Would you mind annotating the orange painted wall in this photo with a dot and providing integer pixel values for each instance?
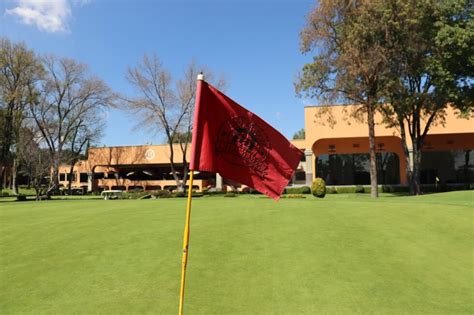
(341, 133)
(131, 155)
(332, 129)
(344, 126)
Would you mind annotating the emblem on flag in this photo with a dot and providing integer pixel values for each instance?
(241, 142)
(234, 142)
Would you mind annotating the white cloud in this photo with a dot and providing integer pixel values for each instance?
(47, 15)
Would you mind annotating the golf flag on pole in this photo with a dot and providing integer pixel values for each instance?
(234, 142)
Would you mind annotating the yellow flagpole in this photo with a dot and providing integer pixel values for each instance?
(184, 260)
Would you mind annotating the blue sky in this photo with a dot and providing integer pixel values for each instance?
(254, 44)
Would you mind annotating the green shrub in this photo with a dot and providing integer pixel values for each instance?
(298, 190)
(161, 194)
(4, 194)
(395, 188)
(20, 198)
(230, 195)
(179, 194)
(318, 188)
(359, 189)
(214, 193)
(333, 190)
(135, 194)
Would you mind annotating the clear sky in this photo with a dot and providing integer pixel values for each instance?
(254, 44)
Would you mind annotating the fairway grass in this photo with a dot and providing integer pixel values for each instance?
(248, 255)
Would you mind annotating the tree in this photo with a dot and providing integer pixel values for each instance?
(350, 62)
(89, 128)
(35, 159)
(431, 57)
(19, 72)
(68, 109)
(167, 108)
(300, 134)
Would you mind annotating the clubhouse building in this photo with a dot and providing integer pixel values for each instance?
(336, 148)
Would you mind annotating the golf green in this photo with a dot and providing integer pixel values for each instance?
(248, 255)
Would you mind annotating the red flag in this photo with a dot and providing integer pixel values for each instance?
(239, 145)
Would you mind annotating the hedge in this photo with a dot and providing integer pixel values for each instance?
(366, 189)
(306, 190)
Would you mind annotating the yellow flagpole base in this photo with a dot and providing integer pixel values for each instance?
(184, 260)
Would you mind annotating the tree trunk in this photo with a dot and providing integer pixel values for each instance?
(37, 192)
(185, 175)
(179, 183)
(416, 169)
(7, 139)
(2, 177)
(373, 161)
(69, 183)
(417, 140)
(184, 149)
(54, 180)
(15, 176)
(406, 153)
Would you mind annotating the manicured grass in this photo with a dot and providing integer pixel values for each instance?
(248, 255)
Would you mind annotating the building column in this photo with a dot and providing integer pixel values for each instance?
(309, 167)
(218, 182)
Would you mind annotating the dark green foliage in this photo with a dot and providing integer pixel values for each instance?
(179, 194)
(146, 196)
(366, 189)
(318, 189)
(298, 190)
(161, 194)
(359, 189)
(135, 194)
(431, 188)
(212, 193)
(230, 195)
(20, 198)
(394, 188)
